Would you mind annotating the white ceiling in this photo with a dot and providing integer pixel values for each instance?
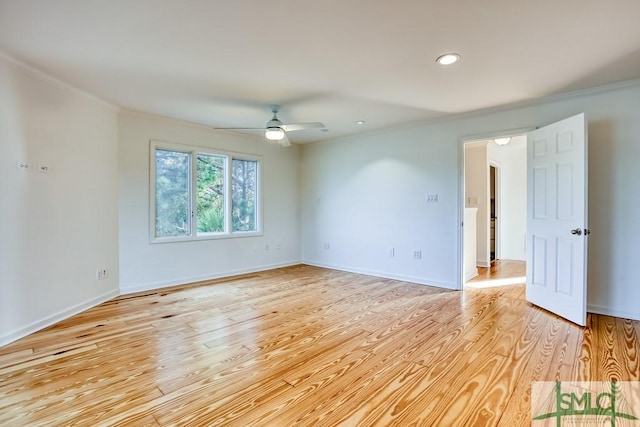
(221, 63)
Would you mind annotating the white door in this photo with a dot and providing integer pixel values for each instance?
(557, 218)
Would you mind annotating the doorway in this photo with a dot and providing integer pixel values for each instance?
(555, 220)
(493, 213)
(494, 191)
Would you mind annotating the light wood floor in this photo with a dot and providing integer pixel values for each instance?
(502, 269)
(306, 346)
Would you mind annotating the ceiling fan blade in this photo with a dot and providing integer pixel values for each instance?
(284, 141)
(302, 126)
(239, 128)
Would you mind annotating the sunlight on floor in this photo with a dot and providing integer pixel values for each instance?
(491, 283)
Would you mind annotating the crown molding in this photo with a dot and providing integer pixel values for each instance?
(17, 63)
(450, 117)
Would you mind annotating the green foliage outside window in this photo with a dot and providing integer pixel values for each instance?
(172, 193)
(244, 181)
(210, 193)
(178, 196)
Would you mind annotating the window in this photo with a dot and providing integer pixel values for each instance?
(243, 209)
(172, 193)
(198, 193)
(210, 194)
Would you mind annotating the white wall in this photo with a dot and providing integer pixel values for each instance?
(512, 198)
(470, 269)
(57, 228)
(146, 266)
(366, 193)
(476, 195)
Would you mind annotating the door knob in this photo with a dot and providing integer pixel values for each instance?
(577, 231)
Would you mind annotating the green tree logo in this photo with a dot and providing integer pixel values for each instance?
(587, 404)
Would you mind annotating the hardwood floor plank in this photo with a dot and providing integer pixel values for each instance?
(17, 356)
(317, 388)
(437, 369)
(251, 365)
(615, 347)
(471, 376)
(242, 401)
(582, 369)
(627, 349)
(308, 346)
(44, 359)
(545, 364)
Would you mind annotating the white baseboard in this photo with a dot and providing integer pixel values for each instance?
(470, 275)
(483, 263)
(65, 314)
(606, 311)
(186, 280)
(55, 318)
(385, 275)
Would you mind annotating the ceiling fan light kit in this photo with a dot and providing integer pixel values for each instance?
(274, 134)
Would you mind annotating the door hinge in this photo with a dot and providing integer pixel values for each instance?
(587, 231)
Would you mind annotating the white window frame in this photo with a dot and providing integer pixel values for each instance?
(194, 151)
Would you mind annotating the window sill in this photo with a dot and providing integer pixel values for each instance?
(212, 236)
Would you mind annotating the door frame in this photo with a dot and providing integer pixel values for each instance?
(461, 202)
(497, 166)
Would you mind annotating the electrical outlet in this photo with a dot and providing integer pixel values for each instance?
(432, 198)
(392, 252)
(417, 254)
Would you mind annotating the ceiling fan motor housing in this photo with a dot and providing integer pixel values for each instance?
(274, 123)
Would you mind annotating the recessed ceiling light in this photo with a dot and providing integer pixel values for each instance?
(360, 122)
(448, 59)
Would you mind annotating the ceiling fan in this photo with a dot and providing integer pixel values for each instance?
(275, 130)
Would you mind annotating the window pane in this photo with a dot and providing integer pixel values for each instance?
(172, 193)
(210, 197)
(244, 186)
